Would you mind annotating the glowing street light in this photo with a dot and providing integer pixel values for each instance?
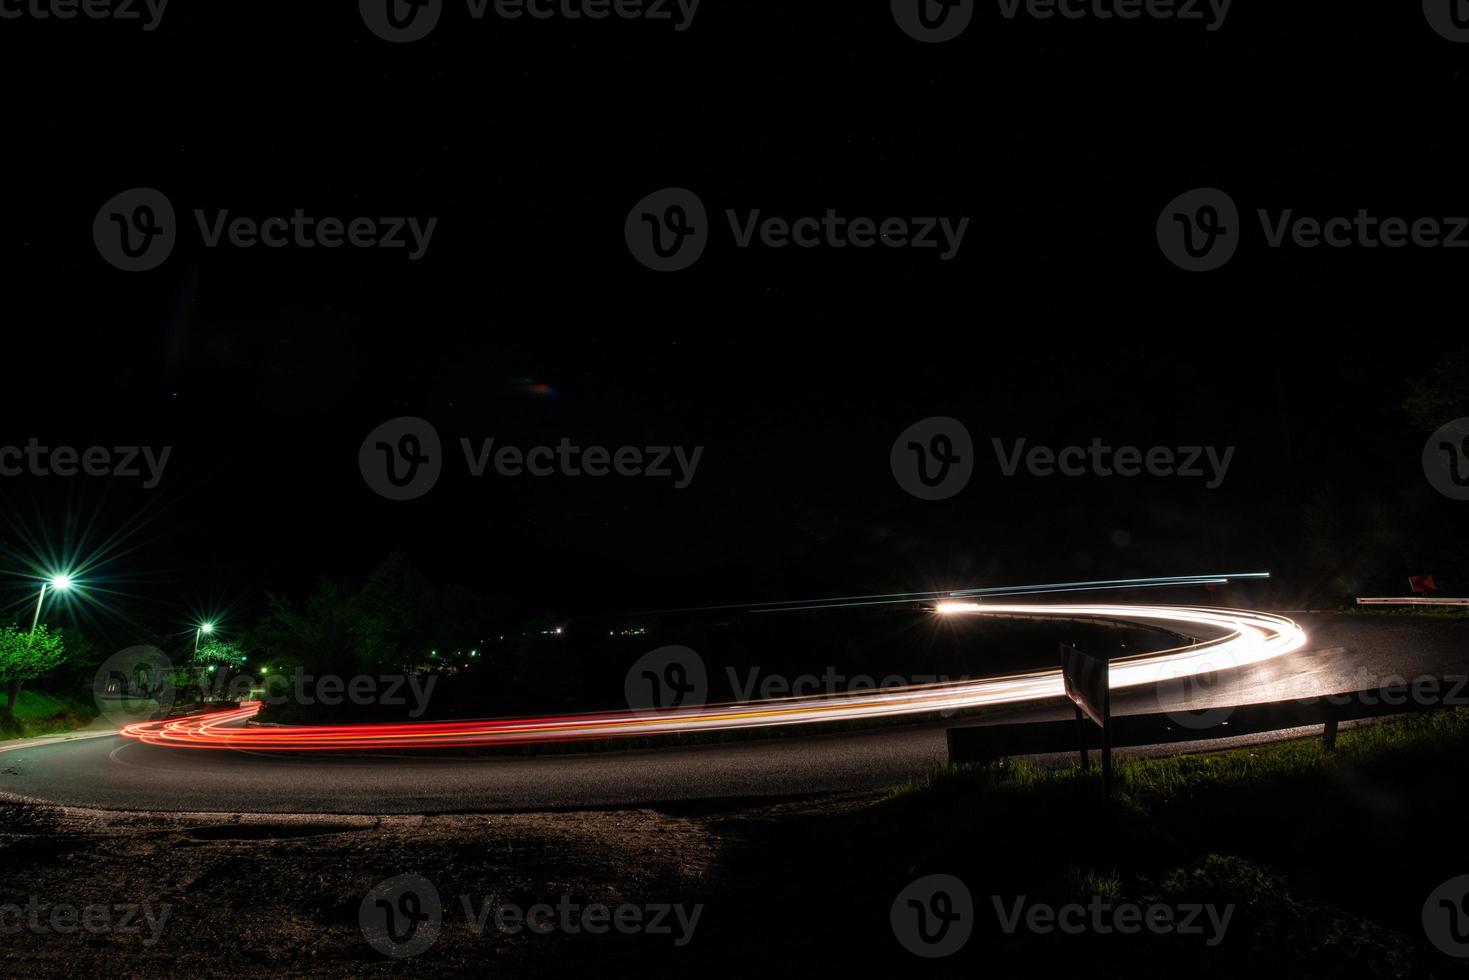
(200, 630)
(61, 583)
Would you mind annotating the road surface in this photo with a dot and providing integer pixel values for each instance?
(113, 772)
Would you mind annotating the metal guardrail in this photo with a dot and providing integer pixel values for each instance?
(1413, 602)
(989, 743)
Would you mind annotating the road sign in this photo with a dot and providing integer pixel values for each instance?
(1422, 584)
(1086, 682)
(1088, 685)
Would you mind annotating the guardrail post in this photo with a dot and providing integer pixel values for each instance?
(1328, 735)
(1086, 762)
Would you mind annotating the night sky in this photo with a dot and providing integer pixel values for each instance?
(528, 320)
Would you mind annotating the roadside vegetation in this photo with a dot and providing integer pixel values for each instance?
(1326, 856)
(1417, 612)
(43, 713)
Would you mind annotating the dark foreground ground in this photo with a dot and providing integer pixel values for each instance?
(1326, 860)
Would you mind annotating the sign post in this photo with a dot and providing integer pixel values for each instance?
(1089, 688)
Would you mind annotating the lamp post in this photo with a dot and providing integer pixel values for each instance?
(200, 630)
(61, 583)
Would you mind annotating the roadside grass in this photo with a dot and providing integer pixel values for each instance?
(1416, 612)
(1328, 855)
(43, 713)
(1322, 859)
(1398, 739)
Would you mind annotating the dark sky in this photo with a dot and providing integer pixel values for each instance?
(528, 320)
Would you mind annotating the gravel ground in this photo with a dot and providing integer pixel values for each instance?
(281, 895)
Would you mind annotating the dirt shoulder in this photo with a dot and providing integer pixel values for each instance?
(206, 894)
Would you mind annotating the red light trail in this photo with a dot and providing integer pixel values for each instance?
(1243, 638)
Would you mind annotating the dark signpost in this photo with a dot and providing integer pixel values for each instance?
(1088, 687)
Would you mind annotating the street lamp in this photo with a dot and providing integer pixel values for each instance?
(198, 632)
(61, 583)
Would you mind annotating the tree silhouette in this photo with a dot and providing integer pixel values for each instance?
(26, 656)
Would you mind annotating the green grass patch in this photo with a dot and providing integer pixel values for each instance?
(44, 713)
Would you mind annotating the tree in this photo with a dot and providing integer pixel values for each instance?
(26, 656)
(221, 659)
(1443, 395)
(322, 635)
(393, 622)
(220, 653)
(396, 614)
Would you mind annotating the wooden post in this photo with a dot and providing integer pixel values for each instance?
(1328, 736)
(1086, 762)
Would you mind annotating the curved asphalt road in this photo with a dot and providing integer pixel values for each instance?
(111, 772)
